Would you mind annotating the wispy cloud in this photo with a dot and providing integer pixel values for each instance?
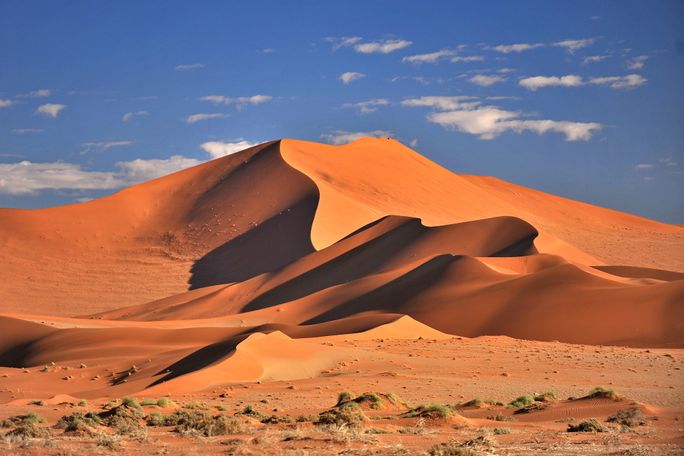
(368, 47)
(218, 149)
(343, 137)
(488, 122)
(129, 115)
(40, 93)
(194, 118)
(432, 57)
(50, 109)
(23, 131)
(573, 46)
(467, 58)
(538, 82)
(642, 166)
(101, 146)
(6, 103)
(594, 59)
(518, 47)
(630, 81)
(485, 80)
(369, 106)
(350, 76)
(189, 66)
(238, 101)
(637, 63)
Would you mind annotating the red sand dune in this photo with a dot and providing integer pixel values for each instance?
(233, 269)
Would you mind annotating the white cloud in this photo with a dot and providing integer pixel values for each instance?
(574, 45)
(141, 170)
(620, 82)
(642, 166)
(486, 80)
(101, 146)
(50, 109)
(350, 76)
(369, 47)
(432, 57)
(194, 118)
(519, 47)
(637, 63)
(129, 115)
(189, 66)
(594, 59)
(22, 131)
(442, 103)
(238, 101)
(381, 47)
(25, 178)
(538, 82)
(667, 162)
(218, 149)
(266, 51)
(40, 93)
(343, 137)
(366, 107)
(5, 103)
(420, 79)
(488, 122)
(467, 58)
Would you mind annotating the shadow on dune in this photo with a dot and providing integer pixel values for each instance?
(265, 248)
(199, 359)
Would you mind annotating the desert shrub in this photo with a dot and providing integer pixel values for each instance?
(275, 419)
(501, 430)
(522, 401)
(126, 419)
(346, 415)
(451, 448)
(79, 423)
(548, 396)
(430, 411)
(130, 402)
(37, 402)
(165, 402)
(203, 423)
(82, 403)
(254, 413)
(374, 399)
(307, 418)
(376, 431)
(147, 402)
(590, 425)
(29, 430)
(6, 423)
(600, 392)
(500, 417)
(534, 407)
(396, 400)
(109, 441)
(345, 396)
(631, 417)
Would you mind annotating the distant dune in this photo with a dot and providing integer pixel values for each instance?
(232, 268)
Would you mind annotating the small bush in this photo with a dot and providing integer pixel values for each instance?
(548, 396)
(602, 393)
(130, 402)
(29, 430)
(477, 402)
(342, 416)
(374, 399)
(307, 418)
(254, 413)
(535, 407)
(590, 425)
(396, 400)
(500, 417)
(631, 417)
(522, 401)
(203, 423)
(38, 402)
(501, 430)
(345, 396)
(430, 411)
(109, 441)
(82, 403)
(165, 402)
(148, 402)
(451, 448)
(78, 423)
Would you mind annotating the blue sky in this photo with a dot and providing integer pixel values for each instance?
(585, 101)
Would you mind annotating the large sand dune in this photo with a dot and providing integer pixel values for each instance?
(235, 269)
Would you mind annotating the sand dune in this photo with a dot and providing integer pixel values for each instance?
(240, 269)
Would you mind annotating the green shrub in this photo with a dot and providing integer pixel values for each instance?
(590, 425)
(30, 430)
(130, 402)
(352, 417)
(165, 402)
(522, 401)
(78, 423)
(600, 392)
(548, 396)
(430, 411)
(345, 396)
(477, 402)
(147, 402)
(374, 399)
